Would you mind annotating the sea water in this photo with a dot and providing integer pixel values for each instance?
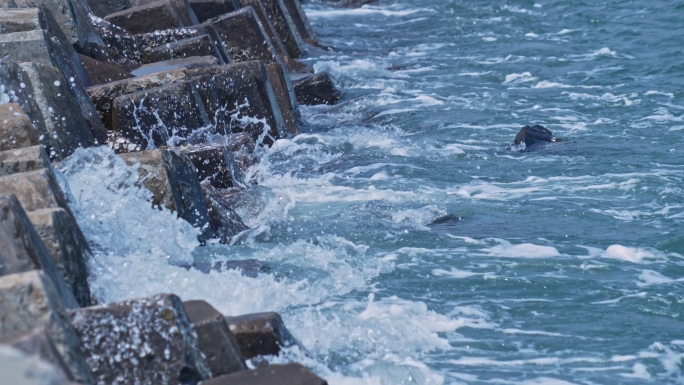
(409, 241)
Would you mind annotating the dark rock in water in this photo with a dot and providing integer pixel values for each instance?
(192, 62)
(316, 89)
(16, 130)
(224, 222)
(102, 8)
(23, 250)
(214, 163)
(29, 301)
(195, 46)
(272, 33)
(242, 145)
(141, 341)
(67, 246)
(248, 267)
(534, 135)
(173, 181)
(289, 374)
(43, 94)
(284, 25)
(207, 9)
(159, 116)
(285, 96)
(23, 159)
(153, 16)
(239, 97)
(260, 334)
(101, 72)
(301, 22)
(37, 342)
(215, 338)
(243, 36)
(103, 95)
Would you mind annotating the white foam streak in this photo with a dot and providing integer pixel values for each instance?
(525, 250)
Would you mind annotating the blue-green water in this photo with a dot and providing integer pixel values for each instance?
(412, 244)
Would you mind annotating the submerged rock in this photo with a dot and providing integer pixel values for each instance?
(534, 135)
(215, 338)
(260, 334)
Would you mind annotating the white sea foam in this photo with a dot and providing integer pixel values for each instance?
(524, 250)
(520, 78)
(650, 278)
(633, 254)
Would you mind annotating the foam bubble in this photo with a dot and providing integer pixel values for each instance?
(524, 250)
(632, 254)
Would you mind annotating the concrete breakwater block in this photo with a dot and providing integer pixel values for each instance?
(44, 95)
(103, 95)
(215, 338)
(67, 246)
(283, 89)
(173, 181)
(16, 130)
(242, 146)
(239, 97)
(30, 301)
(141, 341)
(272, 34)
(35, 190)
(260, 334)
(102, 8)
(37, 343)
(103, 72)
(316, 89)
(181, 7)
(301, 21)
(160, 116)
(243, 36)
(290, 374)
(224, 222)
(207, 9)
(19, 368)
(23, 249)
(23, 159)
(146, 18)
(71, 17)
(284, 25)
(201, 45)
(192, 62)
(214, 163)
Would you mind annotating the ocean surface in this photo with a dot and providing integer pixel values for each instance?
(410, 242)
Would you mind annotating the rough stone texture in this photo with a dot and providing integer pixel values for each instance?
(182, 8)
(28, 301)
(290, 374)
(316, 89)
(44, 95)
(239, 97)
(67, 246)
(141, 341)
(23, 250)
(102, 8)
(37, 343)
(35, 190)
(301, 22)
(103, 95)
(72, 19)
(243, 36)
(273, 35)
(260, 334)
(19, 20)
(23, 159)
(194, 46)
(192, 62)
(207, 9)
(101, 72)
(215, 339)
(248, 267)
(242, 145)
(173, 181)
(285, 26)
(159, 116)
(224, 222)
(214, 163)
(534, 136)
(16, 129)
(150, 17)
(18, 368)
(285, 96)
